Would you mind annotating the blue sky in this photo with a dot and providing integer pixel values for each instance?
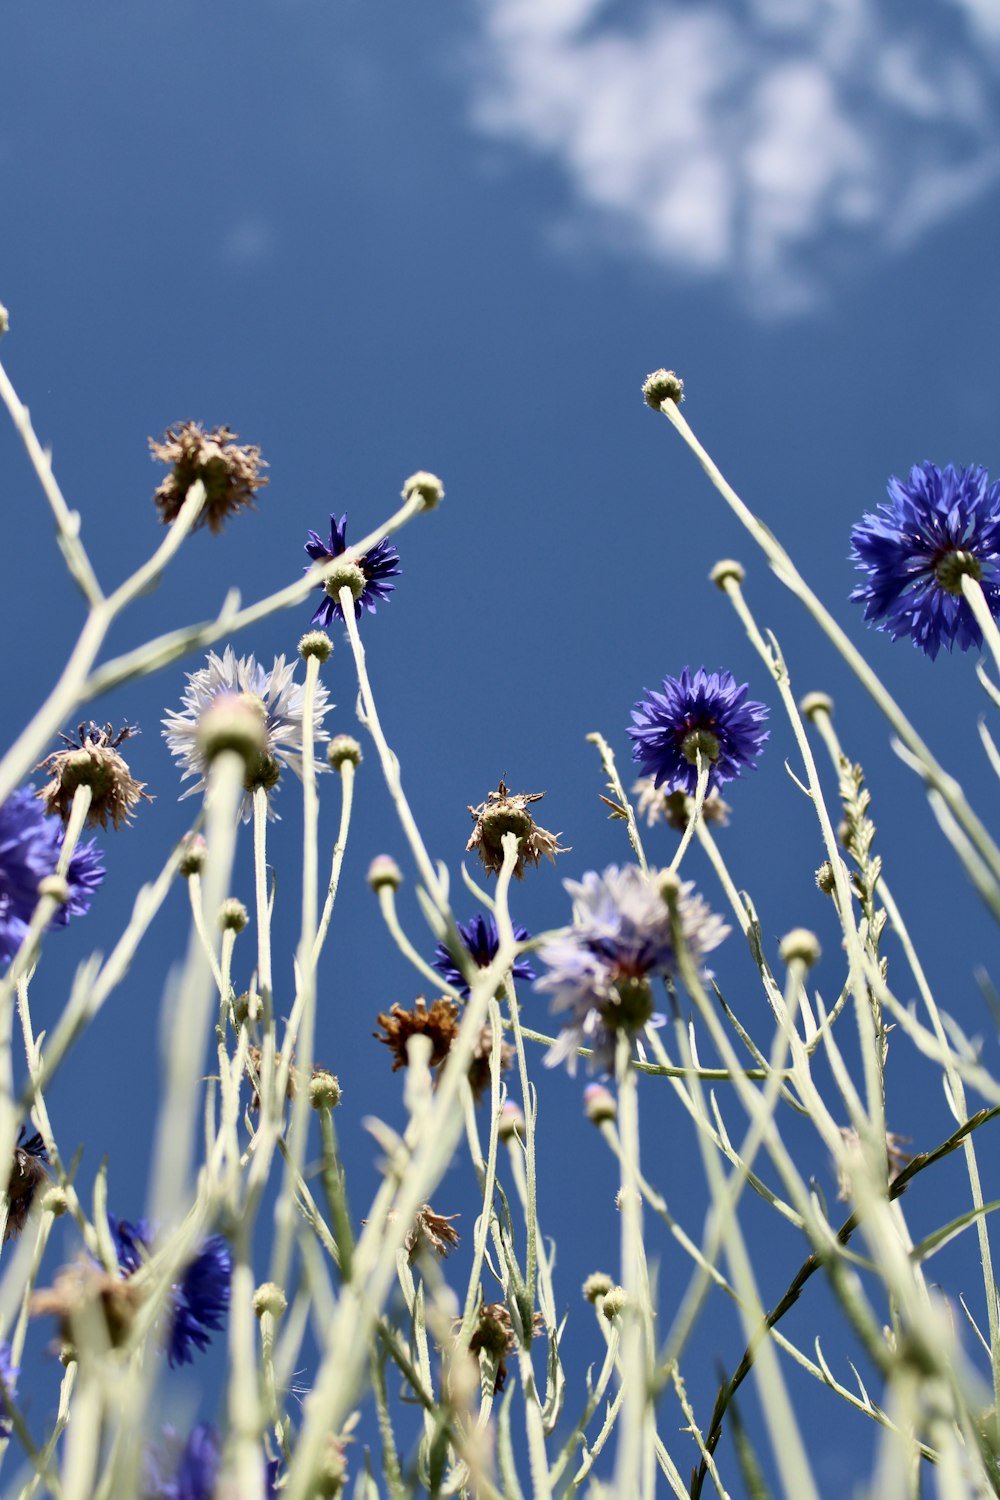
(457, 237)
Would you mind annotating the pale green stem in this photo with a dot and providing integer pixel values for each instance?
(347, 799)
(972, 591)
(164, 649)
(787, 573)
(694, 819)
(191, 1000)
(301, 1030)
(872, 1129)
(389, 762)
(67, 521)
(246, 1465)
(73, 688)
(488, 1179)
(198, 917)
(637, 1352)
(335, 1386)
(611, 771)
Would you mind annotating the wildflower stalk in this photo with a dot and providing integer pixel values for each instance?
(487, 1175)
(67, 521)
(198, 918)
(301, 1029)
(374, 1262)
(869, 1027)
(631, 1460)
(530, 1117)
(615, 783)
(694, 818)
(389, 762)
(192, 999)
(972, 591)
(931, 772)
(339, 848)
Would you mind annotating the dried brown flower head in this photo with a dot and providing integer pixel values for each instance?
(439, 1024)
(83, 1292)
(507, 812)
(480, 1077)
(431, 1231)
(229, 471)
(254, 1056)
(897, 1157)
(92, 759)
(28, 1172)
(494, 1334)
(675, 807)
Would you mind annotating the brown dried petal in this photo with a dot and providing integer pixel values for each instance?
(92, 760)
(507, 812)
(229, 471)
(439, 1024)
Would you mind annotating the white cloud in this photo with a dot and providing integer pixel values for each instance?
(762, 141)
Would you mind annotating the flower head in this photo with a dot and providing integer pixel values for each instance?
(8, 1386)
(701, 712)
(439, 1024)
(675, 808)
(191, 1472)
(378, 565)
(600, 968)
(230, 472)
(431, 1232)
(199, 1298)
(273, 694)
(481, 940)
(92, 760)
(507, 812)
(939, 525)
(30, 844)
(28, 1172)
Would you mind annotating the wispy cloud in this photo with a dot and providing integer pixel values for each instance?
(767, 142)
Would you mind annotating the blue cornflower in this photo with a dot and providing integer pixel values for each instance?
(703, 711)
(914, 551)
(378, 564)
(193, 1472)
(482, 940)
(30, 844)
(200, 1297)
(600, 968)
(8, 1386)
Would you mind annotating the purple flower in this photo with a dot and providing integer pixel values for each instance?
(703, 711)
(482, 940)
(600, 968)
(30, 844)
(379, 564)
(913, 552)
(192, 1473)
(200, 1297)
(8, 1385)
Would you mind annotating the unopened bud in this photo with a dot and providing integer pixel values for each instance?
(237, 722)
(343, 748)
(269, 1298)
(324, 1090)
(345, 575)
(599, 1104)
(384, 870)
(814, 704)
(662, 385)
(193, 856)
(427, 486)
(802, 945)
(315, 643)
(511, 1122)
(725, 569)
(597, 1284)
(615, 1302)
(233, 916)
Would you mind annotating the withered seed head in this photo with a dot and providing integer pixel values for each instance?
(28, 1172)
(494, 1333)
(675, 807)
(431, 1231)
(507, 812)
(480, 1076)
(439, 1024)
(229, 471)
(82, 1292)
(92, 759)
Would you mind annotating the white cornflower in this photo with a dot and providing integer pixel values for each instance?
(274, 692)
